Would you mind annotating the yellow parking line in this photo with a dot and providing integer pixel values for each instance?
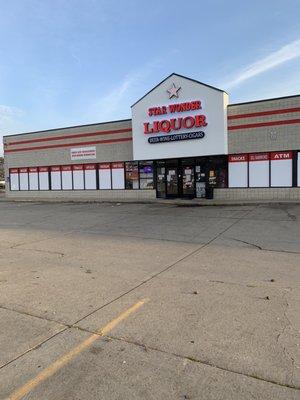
(65, 359)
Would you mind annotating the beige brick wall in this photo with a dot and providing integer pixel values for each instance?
(258, 194)
(78, 195)
(267, 138)
(119, 151)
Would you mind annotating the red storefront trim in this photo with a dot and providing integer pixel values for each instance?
(263, 113)
(53, 146)
(65, 137)
(261, 124)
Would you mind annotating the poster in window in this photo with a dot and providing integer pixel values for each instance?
(33, 178)
(238, 170)
(44, 178)
(90, 176)
(104, 176)
(55, 178)
(78, 177)
(14, 179)
(66, 177)
(282, 169)
(259, 170)
(117, 170)
(23, 176)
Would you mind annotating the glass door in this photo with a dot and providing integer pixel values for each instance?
(200, 180)
(172, 178)
(160, 179)
(187, 179)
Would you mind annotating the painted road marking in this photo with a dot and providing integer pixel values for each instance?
(65, 359)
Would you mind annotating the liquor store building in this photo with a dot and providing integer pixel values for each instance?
(184, 140)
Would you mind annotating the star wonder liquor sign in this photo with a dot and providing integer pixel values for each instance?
(167, 127)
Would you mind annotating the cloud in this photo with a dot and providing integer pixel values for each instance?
(278, 57)
(9, 121)
(116, 103)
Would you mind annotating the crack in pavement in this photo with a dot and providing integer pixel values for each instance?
(261, 248)
(203, 362)
(280, 334)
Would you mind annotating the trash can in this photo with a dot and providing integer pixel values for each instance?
(209, 193)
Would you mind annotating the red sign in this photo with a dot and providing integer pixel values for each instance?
(259, 157)
(23, 170)
(117, 165)
(282, 155)
(238, 158)
(43, 169)
(174, 108)
(89, 166)
(33, 169)
(66, 168)
(55, 168)
(77, 167)
(13, 170)
(104, 166)
(174, 124)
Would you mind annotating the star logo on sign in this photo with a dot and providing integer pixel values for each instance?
(173, 91)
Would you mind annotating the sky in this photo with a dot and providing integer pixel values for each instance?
(73, 62)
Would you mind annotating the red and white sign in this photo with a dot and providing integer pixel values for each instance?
(259, 170)
(44, 178)
(23, 176)
(14, 179)
(179, 109)
(117, 174)
(282, 155)
(66, 177)
(90, 176)
(33, 178)
(259, 157)
(238, 170)
(104, 176)
(238, 158)
(78, 177)
(282, 169)
(55, 177)
(83, 153)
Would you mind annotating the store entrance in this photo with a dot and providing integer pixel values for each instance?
(172, 179)
(175, 179)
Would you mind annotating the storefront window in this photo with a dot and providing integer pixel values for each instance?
(217, 172)
(146, 174)
(132, 175)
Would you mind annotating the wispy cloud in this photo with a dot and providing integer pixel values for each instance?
(116, 103)
(278, 57)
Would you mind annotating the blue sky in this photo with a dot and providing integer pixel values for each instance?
(71, 62)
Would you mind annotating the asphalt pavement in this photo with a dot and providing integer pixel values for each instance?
(149, 301)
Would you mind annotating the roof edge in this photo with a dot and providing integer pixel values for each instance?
(262, 100)
(66, 127)
(180, 76)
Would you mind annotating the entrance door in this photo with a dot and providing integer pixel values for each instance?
(172, 179)
(187, 181)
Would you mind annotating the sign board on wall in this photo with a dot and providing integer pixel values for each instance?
(14, 178)
(238, 170)
(90, 176)
(55, 177)
(44, 178)
(33, 178)
(23, 176)
(180, 118)
(259, 170)
(83, 153)
(282, 169)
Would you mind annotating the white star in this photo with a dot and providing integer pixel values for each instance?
(173, 91)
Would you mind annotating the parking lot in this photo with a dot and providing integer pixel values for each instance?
(149, 301)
